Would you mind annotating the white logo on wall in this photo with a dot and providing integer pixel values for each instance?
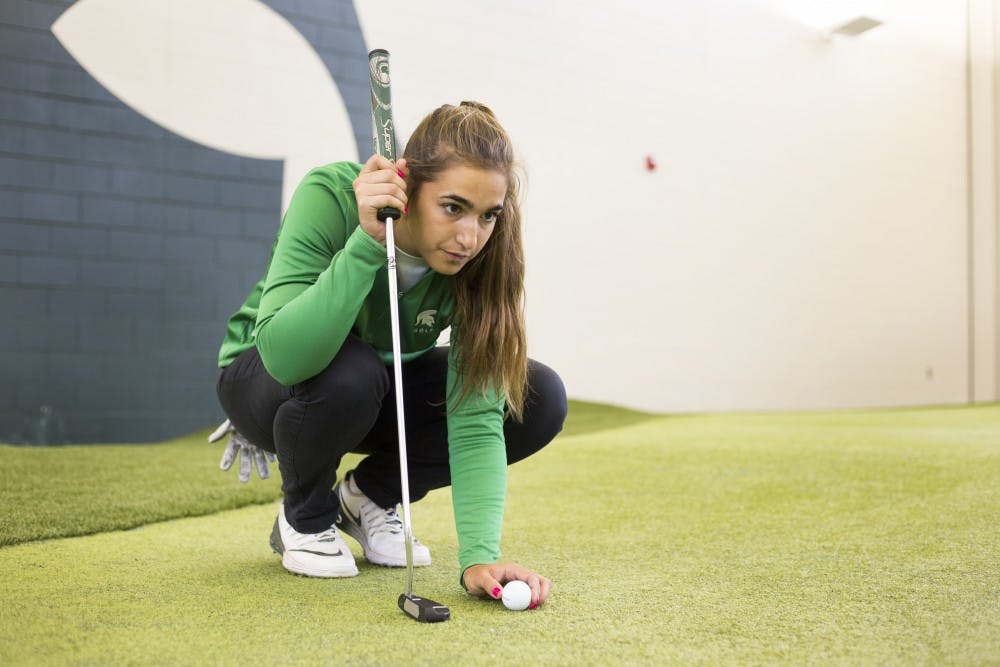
(233, 75)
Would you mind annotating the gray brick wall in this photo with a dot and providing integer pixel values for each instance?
(124, 248)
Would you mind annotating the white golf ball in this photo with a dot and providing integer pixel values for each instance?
(516, 595)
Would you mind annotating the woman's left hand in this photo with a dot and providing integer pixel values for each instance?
(489, 580)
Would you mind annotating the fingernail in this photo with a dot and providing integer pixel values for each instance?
(401, 174)
(406, 210)
(496, 592)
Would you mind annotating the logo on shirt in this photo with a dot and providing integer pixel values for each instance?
(425, 321)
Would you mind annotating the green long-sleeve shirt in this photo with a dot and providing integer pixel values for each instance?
(327, 278)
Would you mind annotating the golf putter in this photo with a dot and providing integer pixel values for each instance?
(384, 134)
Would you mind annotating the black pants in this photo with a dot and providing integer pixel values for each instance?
(350, 407)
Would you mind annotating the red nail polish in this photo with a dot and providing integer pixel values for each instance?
(496, 592)
(532, 605)
(401, 174)
(406, 210)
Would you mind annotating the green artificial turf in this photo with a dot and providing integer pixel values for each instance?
(48, 492)
(846, 538)
(115, 487)
(587, 417)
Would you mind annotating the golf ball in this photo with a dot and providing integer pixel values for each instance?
(516, 595)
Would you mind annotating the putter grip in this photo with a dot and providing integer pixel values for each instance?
(383, 129)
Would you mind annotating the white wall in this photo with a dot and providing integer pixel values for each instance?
(230, 74)
(804, 242)
(993, 81)
(806, 239)
(982, 153)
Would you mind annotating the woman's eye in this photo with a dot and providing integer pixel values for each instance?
(491, 217)
(452, 209)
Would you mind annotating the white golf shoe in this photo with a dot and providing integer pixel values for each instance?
(379, 530)
(312, 554)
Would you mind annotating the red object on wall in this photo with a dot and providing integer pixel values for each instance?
(650, 163)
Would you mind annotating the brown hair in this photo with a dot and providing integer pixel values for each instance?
(489, 290)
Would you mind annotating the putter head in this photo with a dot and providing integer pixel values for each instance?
(422, 609)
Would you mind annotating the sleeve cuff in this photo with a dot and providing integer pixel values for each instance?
(461, 573)
(360, 244)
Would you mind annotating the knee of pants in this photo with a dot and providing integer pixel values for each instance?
(352, 385)
(546, 401)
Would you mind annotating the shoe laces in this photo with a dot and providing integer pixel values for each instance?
(380, 520)
(328, 535)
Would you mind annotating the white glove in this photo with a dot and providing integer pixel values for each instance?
(250, 455)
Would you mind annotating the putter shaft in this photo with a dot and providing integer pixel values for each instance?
(397, 368)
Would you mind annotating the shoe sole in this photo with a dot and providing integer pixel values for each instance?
(293, 566)
(348, 525)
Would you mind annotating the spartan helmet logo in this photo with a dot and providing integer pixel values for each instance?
(425, 319)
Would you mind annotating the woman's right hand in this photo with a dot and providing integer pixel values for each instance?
(489, 580)
(379, 185)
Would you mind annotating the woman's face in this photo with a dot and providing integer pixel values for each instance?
(453, 217)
